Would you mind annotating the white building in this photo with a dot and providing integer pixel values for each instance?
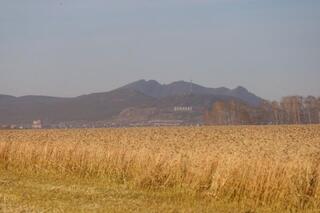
(183, 109)
(37, 124)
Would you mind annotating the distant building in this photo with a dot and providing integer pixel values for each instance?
(13, 126)
(37, 124)
(183, 109)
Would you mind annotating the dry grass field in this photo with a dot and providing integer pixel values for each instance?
(202, 169)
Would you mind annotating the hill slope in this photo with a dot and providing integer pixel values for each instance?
(93, 107)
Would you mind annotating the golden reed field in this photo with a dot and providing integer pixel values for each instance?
(267, 167)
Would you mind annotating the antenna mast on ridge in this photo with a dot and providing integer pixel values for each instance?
(191, 87)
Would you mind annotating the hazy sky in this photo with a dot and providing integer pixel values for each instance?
(73, 47)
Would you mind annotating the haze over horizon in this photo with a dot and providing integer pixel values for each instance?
(68, 48)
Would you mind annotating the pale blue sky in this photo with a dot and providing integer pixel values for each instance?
(72, 47)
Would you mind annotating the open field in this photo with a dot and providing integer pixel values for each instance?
(222, 169)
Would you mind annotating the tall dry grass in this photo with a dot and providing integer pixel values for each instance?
(266, 166)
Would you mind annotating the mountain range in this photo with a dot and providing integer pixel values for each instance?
(138, 101)
(155, 89)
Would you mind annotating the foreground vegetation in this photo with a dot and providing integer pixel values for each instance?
(226, 169)
(50, 193)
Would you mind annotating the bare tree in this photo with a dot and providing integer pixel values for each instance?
(293, 108)
(311, 109)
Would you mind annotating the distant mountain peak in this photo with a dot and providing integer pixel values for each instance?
(155, 89)
(152, 82)
(143, 82)
(240, 89)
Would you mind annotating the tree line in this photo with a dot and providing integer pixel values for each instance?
(289, 110)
